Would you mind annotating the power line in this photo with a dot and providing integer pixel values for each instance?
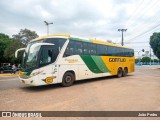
(144, 35)
(135, 42)
(135, 11)
(144, 32)
(155, 20)
(143, 11)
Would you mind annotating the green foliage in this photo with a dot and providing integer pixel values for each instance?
(155, 44)
(4, 41)
(137, 60)
(155, 60)
(9, 52)
(25, 36)
(8, 45)
(146, 60)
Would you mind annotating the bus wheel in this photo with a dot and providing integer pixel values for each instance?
(119, 72)
(68, 79)
(125, 72)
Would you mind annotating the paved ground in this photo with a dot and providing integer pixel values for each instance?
(139, 91)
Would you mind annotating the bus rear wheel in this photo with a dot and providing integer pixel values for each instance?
(119, 72)
(125, 72)
(68, 79)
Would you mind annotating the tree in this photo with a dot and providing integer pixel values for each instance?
(155, 60)
(146, 60)
(9, 52)
(8, 45)
(4, 41)
(155, 44)
(25, 35)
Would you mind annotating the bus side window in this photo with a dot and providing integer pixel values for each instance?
(116, 51)
(85, 49)
(58, 42)
(70, 50)
(128, 53)
(106, 50)
(120, 52)
(67, 53)
(125, 52)
(78, 48)
(93, 48)
(110, 51)
(101, 50)
(61, 43)
(46, 56)
(132, 53)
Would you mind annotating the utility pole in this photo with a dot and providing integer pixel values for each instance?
(139, 58)
(47, 24)
(150, 56)
(122, 30)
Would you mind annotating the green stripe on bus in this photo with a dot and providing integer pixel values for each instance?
(90, 63)
(99, 62)
(28, 73)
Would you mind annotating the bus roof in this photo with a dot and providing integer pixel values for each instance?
(76, 38)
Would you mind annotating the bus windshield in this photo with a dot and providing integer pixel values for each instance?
(30, 56)
(35, 56)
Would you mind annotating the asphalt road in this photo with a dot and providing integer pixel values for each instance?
(139, 91)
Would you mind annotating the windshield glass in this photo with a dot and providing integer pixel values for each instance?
(35, 57)
(30, 56)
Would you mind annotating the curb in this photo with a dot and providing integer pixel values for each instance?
(8, 75)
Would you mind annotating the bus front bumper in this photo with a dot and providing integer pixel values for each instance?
(31, 82)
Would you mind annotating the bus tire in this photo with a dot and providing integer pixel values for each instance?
(68, 79)
(119, 72)
(125, 71)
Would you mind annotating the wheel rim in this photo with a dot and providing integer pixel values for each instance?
(68, 79)
(126, 71)
(119, 73)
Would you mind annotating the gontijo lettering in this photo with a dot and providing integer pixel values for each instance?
(117, 60)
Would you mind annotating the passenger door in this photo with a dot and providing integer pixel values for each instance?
(46, 58)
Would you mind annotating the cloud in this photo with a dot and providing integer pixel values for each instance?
(86, 18)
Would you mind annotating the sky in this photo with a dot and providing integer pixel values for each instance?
(98, 19)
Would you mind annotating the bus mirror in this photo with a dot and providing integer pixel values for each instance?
(16, 53)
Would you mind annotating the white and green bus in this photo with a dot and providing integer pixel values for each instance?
(64, 59)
